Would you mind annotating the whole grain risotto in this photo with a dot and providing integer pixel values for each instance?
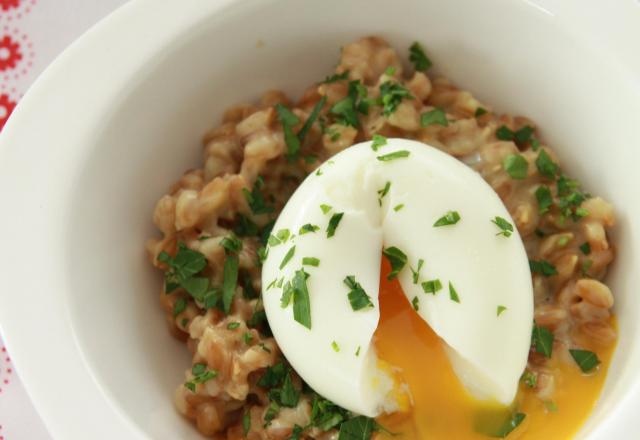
(216, 220)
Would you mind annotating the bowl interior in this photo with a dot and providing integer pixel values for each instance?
(521, 60)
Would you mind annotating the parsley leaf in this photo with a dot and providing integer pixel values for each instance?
(395, 155)
(585, 248)
(289, 120)
(516, 166)
(542, 340)
(325, 414)
(334, 221)
(419, 59)
(255, 199)
(510, 425)
(231, 244)
(453, 294)
(246, 423)
(179, 306)
(546, 166)
(431, 286)
(358, 298)
(233, 325)
(346, 110)
(378, 141)
(245, 227)
(480, 111)
(287, 294)
(296, 432)
(450, 218)
(289, 396)
(304, 229)
(586, 360)
(383, 192)
(398, 207)
(530, 379)
(301, 301)
(544, 198)
(272, 411)
(335, 346)
(230, 281)
(201, 375)
(521, 136)
(273, 376)
(302, 134)
(357, 428)
(397, 259)
(542, 267)
(325, 208)
(415, 302)
(391, 95)
(288, 256)
(435, 116)
(500, 310)
(506, 228)
(336, 77)
(310, 261)
(415, 274)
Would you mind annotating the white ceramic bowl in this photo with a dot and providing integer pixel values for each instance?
(120, 115)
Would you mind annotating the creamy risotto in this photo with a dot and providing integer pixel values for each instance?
(216, 224)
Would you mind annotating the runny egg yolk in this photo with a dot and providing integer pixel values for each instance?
(444, 410)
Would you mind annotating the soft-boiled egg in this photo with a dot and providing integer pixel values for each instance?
(459, 261)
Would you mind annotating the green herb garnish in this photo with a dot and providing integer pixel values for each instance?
(201, 375)
(301, 302)
(358, 298)
(231, 244)
(544, 198)
(383, 192)
(336, 77)
(505, 227)
(179, 306)
(288, 395)
(415, 274)
(302, 134)
(530, 379)
(419, 59)
(233, 325)
(542, 340)
(288, 256)
(255, 199)
(431, 286)
(305, 229)
(334, 221)
(398, 207)
(415, 302)
(520, 136)
(480, 111)
(230, 281)
(335, 346)
(585, 248)
(310, 261)
(546, 166)
(357, 428)
(586, 360)
(516, 166)
(246, 423)
(436, 116)
(397, 259)
(450, 218)
(510, 425)
(325, 208)
(247, 337)
(542, 267)
(288, 120)
(391, 95)
(500, 310)
(453, 294)
(392, 156)
(378, 141)
(390, 71)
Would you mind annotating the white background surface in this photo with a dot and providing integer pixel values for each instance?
(42, 28)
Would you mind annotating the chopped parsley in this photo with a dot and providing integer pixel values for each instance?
(325, 414)
(392, 156)
(563, 241)
(310, 261)
(391, 95)
(415, 274)
(505, 227)
(296, 432)
(480, 111)
(544, 198)
(287, 294)
(516, 166)
(378, 141)
(586, 360)
(334, 221)
(542, 267)
(398, 207)
(255, 199)
(247, 337)
(436, 116)
(301, 302)
(288, 120)
(288, 396)
(551, 406)
(182, 267)
(390, 71)
(570, 197)
(233, 325)
(383, 192)
(546, 166)
(179, 306)
(335, 346)
(288, 256)
(450, 218)
(585, 248)
(397, 259)
(246, 423)
(510, 425)
(419, 59)
(500, 310)
(453, 294)
(530, 379)
(358, 298)
(272, 411)
(347, 109)
(201, 375)
(302, 134)
(304, 229)
(231, 244)
(325, 208)
(415, 302)
(542, 340)
(230, 281)
(245, 227)
(336, 77)
(431, 286)
(520, 136)
(357, 428)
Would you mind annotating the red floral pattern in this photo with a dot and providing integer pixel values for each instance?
(6, 108)
(8, 4)
(10, 53)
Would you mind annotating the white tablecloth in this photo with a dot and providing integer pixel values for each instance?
(32, 34)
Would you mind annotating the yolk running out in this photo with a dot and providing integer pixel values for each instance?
(443, 410)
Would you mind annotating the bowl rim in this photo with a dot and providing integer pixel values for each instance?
(58, 85)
